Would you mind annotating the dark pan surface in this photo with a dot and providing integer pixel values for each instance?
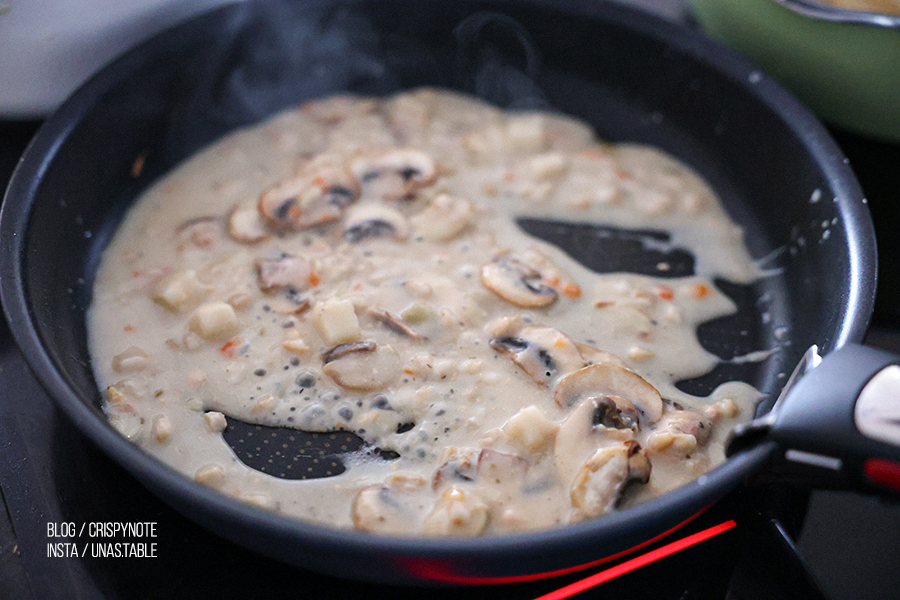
(631, 76)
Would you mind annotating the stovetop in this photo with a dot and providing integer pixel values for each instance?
(50, 475)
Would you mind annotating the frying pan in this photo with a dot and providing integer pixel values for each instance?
(631, 76)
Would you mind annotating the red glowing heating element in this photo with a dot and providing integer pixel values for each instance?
(636, 563)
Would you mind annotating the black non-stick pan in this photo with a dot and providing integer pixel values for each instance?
(633, 77)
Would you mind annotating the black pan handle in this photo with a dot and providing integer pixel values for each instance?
(840, 423)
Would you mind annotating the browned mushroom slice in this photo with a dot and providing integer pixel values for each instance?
(374, 220)
(457, 512)
(362, 365)
(542, 352)
(589, 426)
(458, 466)
(517, 282)
(394, 324)
(615, 412)
(245, 225)
(599, 485)
(320, 194)
(610, 380)
(395, 174)
(285, 272)
(380, 509)
(680, 433)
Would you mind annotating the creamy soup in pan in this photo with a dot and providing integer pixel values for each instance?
(355, 264)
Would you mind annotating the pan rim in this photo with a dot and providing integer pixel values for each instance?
(20, 197)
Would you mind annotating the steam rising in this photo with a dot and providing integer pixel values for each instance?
(279, 54)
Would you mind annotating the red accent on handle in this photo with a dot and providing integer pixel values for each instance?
(883, 472)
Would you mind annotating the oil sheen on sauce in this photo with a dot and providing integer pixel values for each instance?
(354, 264)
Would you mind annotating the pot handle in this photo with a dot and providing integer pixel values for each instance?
(839, 424)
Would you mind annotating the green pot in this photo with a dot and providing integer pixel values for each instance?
(845, 65)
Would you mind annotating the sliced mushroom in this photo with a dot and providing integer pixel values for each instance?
(583, 432)
(599, 485)
(610, 380)
(443, 219)
(202, 232)
(595, 356)
(283, 273)
(680, 433)
(458, 466)
(374, 220)
(359, 366)
(395, 174)
(615, 412)
(347, 349)
(542, 352)
(245, 225)
(517, 282)
(293, 303)
(457, 512)
(320, 194)
(394, 324)
(380, 509)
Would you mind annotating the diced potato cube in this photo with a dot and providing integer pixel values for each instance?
(457, 512)
(531, 429)
(197, 377)
(640, 353)
(416, 314)
(724, 408)
(215, 421)
(117, 399)
(210, 475)
(405, 482)
(264, 404)
(293, 342)
(131, 360)
(258, 499)
(162, 428)
(128, 425)
(336, 321)
(214, 321)
(240, 301)
(526, 132)
(181, 290)
(544, 167)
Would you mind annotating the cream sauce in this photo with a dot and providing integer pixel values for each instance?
(218, 299)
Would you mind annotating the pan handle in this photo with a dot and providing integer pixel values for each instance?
(839, 425)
